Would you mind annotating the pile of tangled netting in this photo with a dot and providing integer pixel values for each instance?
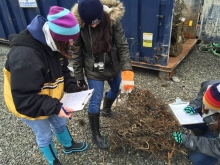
(211, 47)
(143, 123)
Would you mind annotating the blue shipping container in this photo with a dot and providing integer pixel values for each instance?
(147, 24)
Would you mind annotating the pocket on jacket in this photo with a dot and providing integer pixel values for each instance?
(88, 61)
(115, 59)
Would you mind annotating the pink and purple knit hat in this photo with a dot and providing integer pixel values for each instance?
(62, 24)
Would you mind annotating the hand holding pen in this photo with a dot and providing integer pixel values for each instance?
(190, 110)
(65, 112)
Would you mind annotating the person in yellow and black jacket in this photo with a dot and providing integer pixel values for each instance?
(36, 75)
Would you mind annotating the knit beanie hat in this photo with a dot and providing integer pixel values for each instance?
(211, 98)
(62, 24)
(90, 11)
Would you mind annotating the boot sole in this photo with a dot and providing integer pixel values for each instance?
(84, 147)
(98, 145)
(107, 114)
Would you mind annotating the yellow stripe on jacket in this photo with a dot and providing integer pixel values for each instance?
(55, 90)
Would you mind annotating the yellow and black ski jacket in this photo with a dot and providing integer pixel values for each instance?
(35, 78)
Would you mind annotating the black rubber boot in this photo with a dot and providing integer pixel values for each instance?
(106, 111)
(57, 162)
(96, 136)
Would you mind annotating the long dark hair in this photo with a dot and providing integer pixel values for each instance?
(63, 48)
(102, 44)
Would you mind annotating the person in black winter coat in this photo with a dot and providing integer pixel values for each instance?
(36, 75)
(103, 55)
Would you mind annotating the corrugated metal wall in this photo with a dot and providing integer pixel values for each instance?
(147, 24)
(14, 19)
(210, 21)
(155, 25)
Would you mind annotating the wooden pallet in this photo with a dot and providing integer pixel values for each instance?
(166, 72)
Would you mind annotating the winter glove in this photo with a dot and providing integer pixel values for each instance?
(190, 110)
(178, 136)
(76, 89)
(82, 83)
(127, 83)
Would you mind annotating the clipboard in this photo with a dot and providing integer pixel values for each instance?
(182, 117)
(77, 100)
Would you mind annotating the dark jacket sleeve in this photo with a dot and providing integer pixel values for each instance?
(207, 146)
(197, 103)
(122, 46)
(78, 59)
(27, 80)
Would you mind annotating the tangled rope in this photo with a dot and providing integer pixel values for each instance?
(211, 47)
(143, 123)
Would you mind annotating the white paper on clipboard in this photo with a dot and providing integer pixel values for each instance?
(183, 117)
(77, 100)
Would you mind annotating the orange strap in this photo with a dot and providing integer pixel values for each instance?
(128, 87)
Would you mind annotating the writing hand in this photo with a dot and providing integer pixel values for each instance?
(190, 110)
(65, 112)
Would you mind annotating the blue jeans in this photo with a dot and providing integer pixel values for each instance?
(42, 128)
(98, 86)
(202, 159)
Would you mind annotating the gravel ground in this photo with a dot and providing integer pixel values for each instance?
(17, 141)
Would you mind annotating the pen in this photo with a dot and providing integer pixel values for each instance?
(65, 111)
(197, 108)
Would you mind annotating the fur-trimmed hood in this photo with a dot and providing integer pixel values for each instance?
(114, 8)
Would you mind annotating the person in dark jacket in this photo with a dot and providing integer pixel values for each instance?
(204, 145)
(103, 55)
(36, 75)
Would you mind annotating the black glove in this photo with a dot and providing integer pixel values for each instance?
(74, 88)
(82, 83)
(78, 89)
